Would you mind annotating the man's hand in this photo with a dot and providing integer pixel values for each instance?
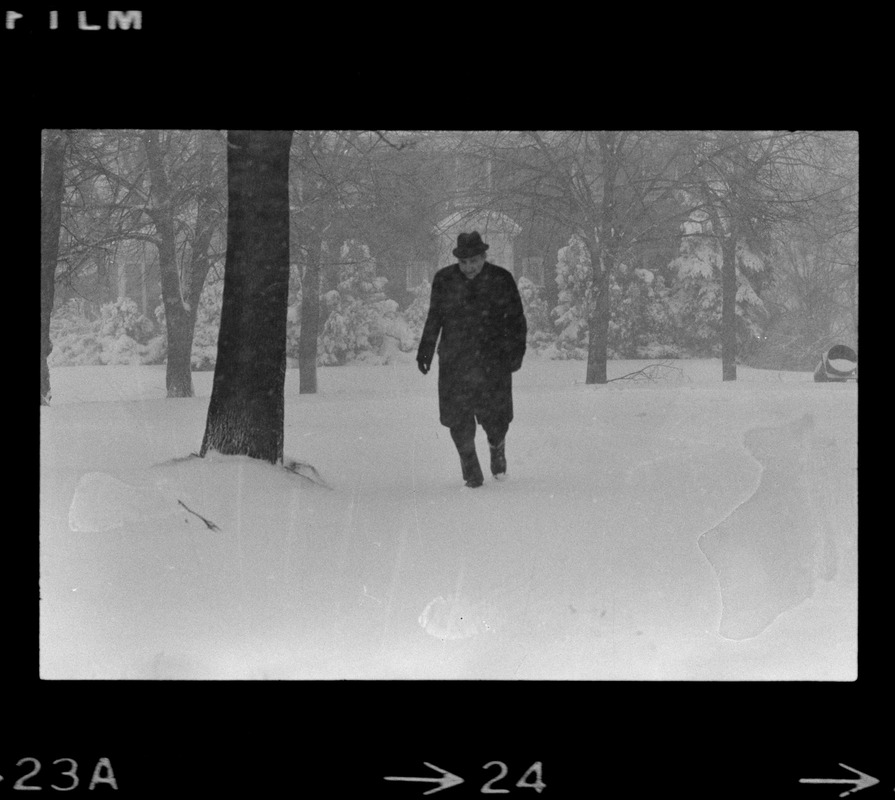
(423, 365)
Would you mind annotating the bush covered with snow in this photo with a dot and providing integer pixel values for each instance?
(124, 318)
(125, 334)
(639, 325)
(208, 325)
(642, 325)
(363, 324)
(677, 316)
(121, 335)
(573, 277)
(537, 315)
(415, 314)
(74, 336)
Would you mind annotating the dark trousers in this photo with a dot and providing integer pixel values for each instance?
(464, 434)
(464, 438)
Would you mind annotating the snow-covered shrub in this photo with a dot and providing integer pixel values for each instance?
(121, 335)
(208, 325)
(156, 351)
(640, 324)
(124, 318)
(121, 350)
(391, 333)
(416, 312)
(363, 324)
(74, 336)
(658, 350)
(540, 327)
(573, 277)
(124, 333)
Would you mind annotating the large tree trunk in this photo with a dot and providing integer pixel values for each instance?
(246, 409)
(310, 319)
(50, 224)
(728, 309)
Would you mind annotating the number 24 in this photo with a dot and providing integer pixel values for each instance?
(537, 784)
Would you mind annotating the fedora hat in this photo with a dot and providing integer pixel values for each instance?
(469, 245)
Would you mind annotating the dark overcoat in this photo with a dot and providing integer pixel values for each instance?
(483, 330)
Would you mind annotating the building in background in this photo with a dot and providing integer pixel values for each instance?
(498, 231)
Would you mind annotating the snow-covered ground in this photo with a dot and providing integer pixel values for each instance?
(678, 529)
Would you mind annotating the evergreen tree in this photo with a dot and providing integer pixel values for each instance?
(540, 328)
(363, 323)
(572, 315)
(698, 294)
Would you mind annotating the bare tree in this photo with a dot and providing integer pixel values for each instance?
(335, 197)
(814, 297)
(181, 280)
(746, 183)
(311, 220)
(140, 193)
(246, 409)
(614, 190)
(50, 223)
(104, 211)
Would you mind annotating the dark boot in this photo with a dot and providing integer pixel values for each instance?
(499, 459)
(464, 440)
(472, 472)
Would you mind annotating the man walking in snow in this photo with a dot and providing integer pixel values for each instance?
(476, 308)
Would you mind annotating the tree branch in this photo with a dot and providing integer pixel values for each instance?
(649, 372)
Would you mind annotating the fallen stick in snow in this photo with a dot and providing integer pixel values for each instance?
(647, 373)
(209, 524)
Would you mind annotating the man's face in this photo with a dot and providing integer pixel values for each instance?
(472, 266)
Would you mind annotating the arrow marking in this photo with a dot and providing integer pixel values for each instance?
(447, 780)
(862, 782)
